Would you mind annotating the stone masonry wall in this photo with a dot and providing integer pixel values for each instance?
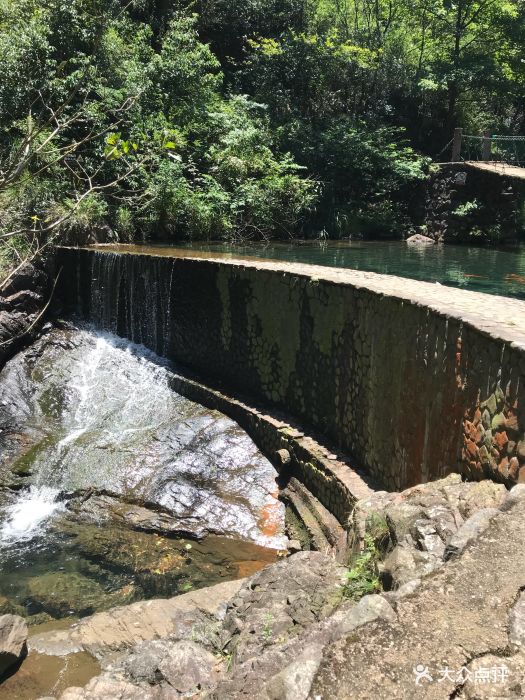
(413, 380)
(467, 205)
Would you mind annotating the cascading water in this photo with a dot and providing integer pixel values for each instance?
(28, 513)
(107, 471)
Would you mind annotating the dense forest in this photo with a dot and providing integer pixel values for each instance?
(229, 119)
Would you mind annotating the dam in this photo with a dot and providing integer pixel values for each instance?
(412, 380)
(221, 471)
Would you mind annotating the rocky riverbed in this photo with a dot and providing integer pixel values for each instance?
(115, 488)
(296, 630)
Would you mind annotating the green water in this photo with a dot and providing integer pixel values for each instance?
(489, 270)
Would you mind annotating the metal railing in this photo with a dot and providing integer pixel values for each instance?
(488, 148)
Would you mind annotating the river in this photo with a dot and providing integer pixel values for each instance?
(115, 488)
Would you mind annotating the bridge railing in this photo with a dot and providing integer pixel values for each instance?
(488, 147)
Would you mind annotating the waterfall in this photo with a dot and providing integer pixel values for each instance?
(107, 419)
(28, 513)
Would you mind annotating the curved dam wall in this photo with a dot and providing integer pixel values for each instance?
(413, 380)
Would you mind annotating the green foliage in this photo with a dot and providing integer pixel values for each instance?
(240, 118)
(156, 144)
(466, 208)
(362, 578)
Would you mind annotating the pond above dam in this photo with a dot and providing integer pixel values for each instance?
(113, 487)
(482, 269)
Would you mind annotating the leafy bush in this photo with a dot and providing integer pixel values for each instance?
(363, 578)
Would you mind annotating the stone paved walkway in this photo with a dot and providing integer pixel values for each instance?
(498, 168)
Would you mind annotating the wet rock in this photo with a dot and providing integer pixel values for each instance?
(144, 443)
(63, 593)
(27, 277)
(13, 642)
(13, 326)
(7, 607)
(25, 301)
(105, 508)
(158, 565)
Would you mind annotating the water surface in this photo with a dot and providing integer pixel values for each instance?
(482, 269)
(113, 487)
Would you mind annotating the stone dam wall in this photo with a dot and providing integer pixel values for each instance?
(467, 205)
(412, 380)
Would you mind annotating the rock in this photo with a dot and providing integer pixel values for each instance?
(426, 535)
(27, 277)
(350, 616)
(406, 563)
(96, 507)
(185, 667)
(110, 688)
(121, 628)
(13, 326)
(498, 422)
(26, 301)
(294, 546)
(456, 615)
(294, 681)
(283, 457)
(280, 601)
(406, 589)
(419, 239)
(13, 641)
(470, 530)
(400, 518)
(517, 623)
(470, 497)
(515, 496)
(445, 520)
(494, 677)
(62, 593)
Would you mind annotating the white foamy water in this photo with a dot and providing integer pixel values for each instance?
(109, 420)
(25, 517)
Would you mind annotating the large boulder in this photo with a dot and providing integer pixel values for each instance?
(28, 277)
(419, 239)
(13, 642)
(282, 600)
